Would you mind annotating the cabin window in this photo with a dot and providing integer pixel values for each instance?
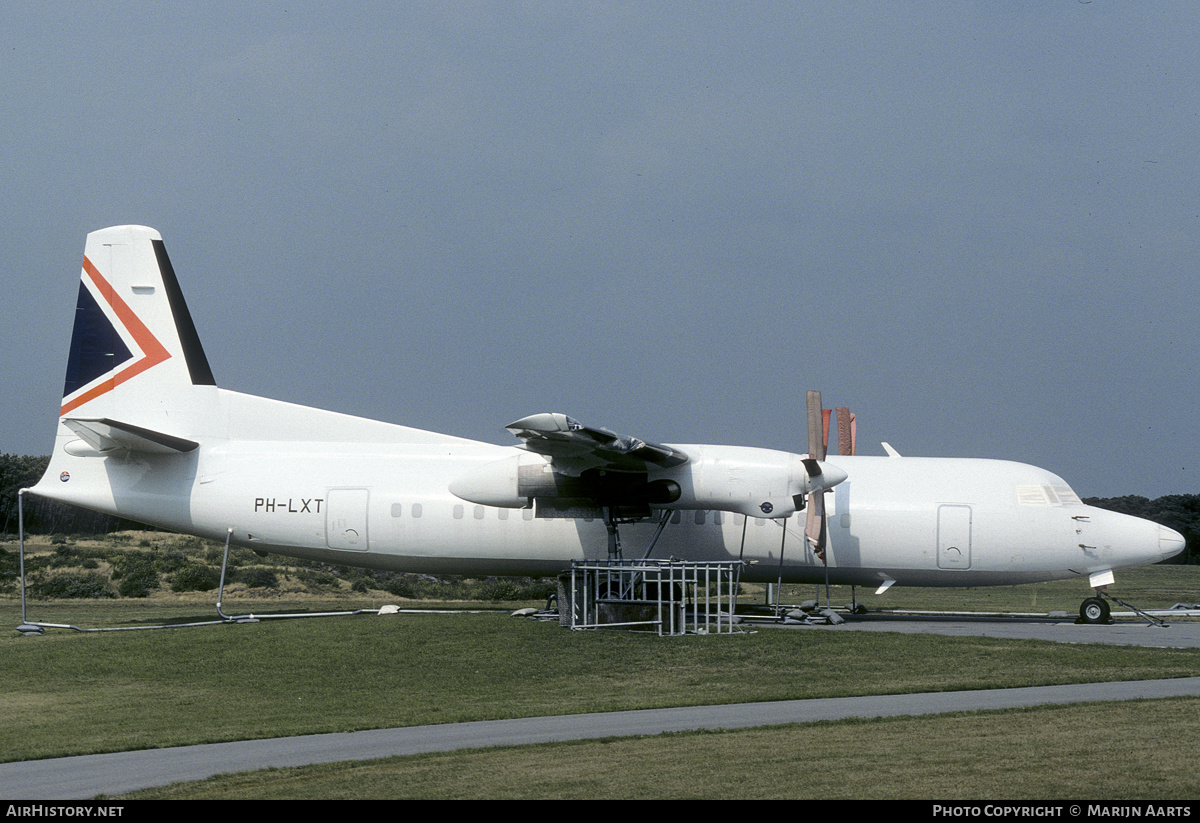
(527, 514)
(676, 516)
(416, 510)
(502, 514)
(479, 512)
(700, 517)
(397, 509)
(717, 518)
(458, 511)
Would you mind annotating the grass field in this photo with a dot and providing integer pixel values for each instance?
(1110, 752)
(73, 693)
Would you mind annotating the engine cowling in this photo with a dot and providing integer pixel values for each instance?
(754, 482)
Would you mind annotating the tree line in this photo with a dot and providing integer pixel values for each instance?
(1180, 512)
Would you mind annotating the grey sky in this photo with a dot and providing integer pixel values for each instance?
(973, 223)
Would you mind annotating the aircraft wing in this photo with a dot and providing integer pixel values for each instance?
(569, 443)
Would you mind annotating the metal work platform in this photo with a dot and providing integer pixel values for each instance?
(670, 597)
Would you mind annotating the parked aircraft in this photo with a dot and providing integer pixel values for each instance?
(145, 433)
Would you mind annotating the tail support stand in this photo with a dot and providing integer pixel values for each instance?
(26, 627)
(249, 618)
(256, 618)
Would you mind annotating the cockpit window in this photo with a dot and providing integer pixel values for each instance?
(1056, 495)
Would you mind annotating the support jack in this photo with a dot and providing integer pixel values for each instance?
(1096, 610)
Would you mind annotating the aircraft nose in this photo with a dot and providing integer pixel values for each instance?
(1125, 540)
(1170, 542)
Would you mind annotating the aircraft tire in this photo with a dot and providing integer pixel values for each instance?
(1094, 610)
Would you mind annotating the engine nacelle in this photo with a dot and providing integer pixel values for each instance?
(514, 481)
(754, 482)
(496, 484)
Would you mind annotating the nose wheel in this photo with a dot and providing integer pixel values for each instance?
(1094, 610)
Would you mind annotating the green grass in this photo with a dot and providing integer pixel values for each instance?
(72, 693)
(1030, 754)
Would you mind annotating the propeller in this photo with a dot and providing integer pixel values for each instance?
(816, 524)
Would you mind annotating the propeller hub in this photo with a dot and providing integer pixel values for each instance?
(831, 475)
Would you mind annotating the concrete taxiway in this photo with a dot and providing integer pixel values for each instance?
(111, 774)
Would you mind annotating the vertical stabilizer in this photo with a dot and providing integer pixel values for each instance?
(134, 343)
(139, 395)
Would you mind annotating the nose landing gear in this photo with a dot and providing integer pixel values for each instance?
(1095, 610)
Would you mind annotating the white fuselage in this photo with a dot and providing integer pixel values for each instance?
(145, 433)
(377, 495)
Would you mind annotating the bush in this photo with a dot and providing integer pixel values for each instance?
(64, 555)
(515, 589)
(401, 587)
(10, 565)
(72, 585)
(173, 561)
(317, 581)
(138, 585)
(259, 578)
(138, 576)
(194, 578)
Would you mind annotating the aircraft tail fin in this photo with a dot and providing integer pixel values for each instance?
(134, 341)
(138, 388)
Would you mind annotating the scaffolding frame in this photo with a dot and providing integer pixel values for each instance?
(669, 597)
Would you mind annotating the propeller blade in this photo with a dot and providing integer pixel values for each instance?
(815, 526)
(816, 449)
(846, 431)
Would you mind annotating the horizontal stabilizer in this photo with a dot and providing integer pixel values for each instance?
(107, 436)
